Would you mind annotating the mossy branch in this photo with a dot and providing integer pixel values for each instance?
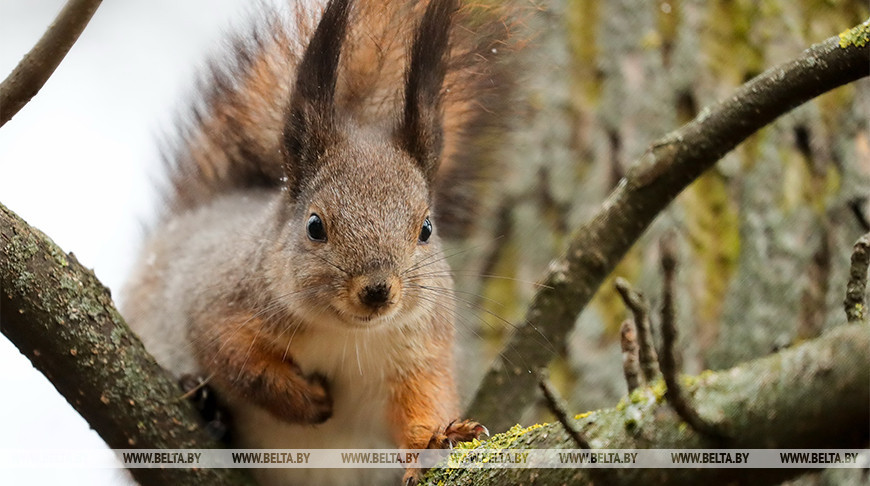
(815, 395)
(59, 315)
(668, 167)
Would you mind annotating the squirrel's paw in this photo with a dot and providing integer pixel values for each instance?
(456, 432)
(301, 399)
(412, 477)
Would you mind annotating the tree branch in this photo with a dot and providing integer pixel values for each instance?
(635, 301)
(855, 302)
(557, 407)
(630, 355)
(815, 395)
(36, 67)
(654, 180)
(674, 393)
(60, 317)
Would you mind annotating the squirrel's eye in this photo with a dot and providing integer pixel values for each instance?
(316, 230)
(425, 231)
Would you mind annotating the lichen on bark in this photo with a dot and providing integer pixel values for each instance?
(62, 318)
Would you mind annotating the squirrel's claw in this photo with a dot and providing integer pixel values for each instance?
(464, 431)
(456, 432)
(412, 478)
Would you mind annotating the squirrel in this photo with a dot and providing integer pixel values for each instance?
(298, 265)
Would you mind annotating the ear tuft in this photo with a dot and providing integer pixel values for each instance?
(420, 131)
(310, 123)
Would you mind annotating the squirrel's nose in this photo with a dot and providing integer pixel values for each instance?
(376, 295)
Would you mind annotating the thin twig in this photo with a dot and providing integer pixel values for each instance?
(674, 393)
(856, 289)
(639, 307)
(36, 67)
(557, 406)
(630, 366)
(857, 206)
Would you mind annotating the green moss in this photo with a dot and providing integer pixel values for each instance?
(505, 440)
(25, 280)
(500, 299)
(58, 256)
(637, 395)
(640, 396)
(833, 180)
(607, 302)
(859, 310)
(857, 36)
(19, 252)
(622, 404)
(637, 410)
(806, 182)
(658, 388)
(712, 220)
(818, 18)
(730, 43)
(651, 40)
(668, 22)
(581, 416)
(24, 248)
(688, 381)
(582, 18)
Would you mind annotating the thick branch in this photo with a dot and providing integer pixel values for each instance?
(667, 168)
(33, 71)
(815, 395)
(60, 317)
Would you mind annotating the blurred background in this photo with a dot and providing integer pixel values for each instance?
(764, 237)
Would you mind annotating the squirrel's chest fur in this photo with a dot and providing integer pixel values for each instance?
(357, 365)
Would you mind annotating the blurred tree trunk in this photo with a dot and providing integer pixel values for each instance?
(765, 235)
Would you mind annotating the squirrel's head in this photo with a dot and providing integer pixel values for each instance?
(359, 239)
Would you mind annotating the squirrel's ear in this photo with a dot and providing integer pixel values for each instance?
(420, 132)
(310, 123)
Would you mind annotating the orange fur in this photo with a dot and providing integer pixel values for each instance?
(424, 399)
(244, 359)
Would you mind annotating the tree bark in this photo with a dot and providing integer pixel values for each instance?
(60, 317)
